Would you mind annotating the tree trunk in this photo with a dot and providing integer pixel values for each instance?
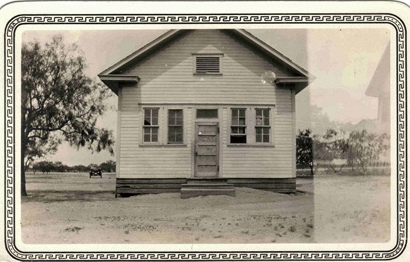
(311, 170)
(23, 178)
(23, 147)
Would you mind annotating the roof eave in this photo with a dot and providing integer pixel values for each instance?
(113, 80)
(297, 83)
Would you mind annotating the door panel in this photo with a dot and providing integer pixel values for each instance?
(206, 160)
(206, 149)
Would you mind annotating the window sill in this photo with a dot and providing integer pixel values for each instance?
(250, 145)
(163, 145)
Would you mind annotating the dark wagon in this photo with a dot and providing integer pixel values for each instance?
(96, 172)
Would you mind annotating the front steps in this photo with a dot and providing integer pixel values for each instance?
(206, 186)
(200, 186)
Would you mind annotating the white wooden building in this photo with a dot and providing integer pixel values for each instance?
(204, 111)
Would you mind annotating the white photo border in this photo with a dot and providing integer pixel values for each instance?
(232, 19)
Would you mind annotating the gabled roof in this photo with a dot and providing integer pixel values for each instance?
(377, 85)
(114, 71)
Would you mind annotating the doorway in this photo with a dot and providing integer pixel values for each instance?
(206, 149)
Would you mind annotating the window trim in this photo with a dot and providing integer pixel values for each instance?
(206, 118)
(251, 126)
(151, 126)
(196, 55)
(246, 126)
(168, 126)
(263, 124)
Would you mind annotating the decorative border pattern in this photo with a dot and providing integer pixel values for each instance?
(10, 118)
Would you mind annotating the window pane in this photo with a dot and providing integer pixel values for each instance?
(266, 121)
(146, 130)
(178, 138)
(238, 130)
(154, 134)
(235, 121)
(207, 113)
(242, 121)
(266, 138)
(266, 130)
(147, 138)
(154, 121)
(238, 139)
(178, 129)
(179, 118)
(171, 134)
(258, 120)
(234, 113)
(242, 112)
(258, 112)
(171, 118)
(154, 130)
(258, 138)
(258, 131)
(175, 128)
(155, 113)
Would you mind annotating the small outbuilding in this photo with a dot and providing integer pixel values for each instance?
(204, 111)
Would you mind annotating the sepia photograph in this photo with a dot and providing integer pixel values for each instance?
(138, 132)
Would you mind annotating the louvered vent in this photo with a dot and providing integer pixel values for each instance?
(207, 64)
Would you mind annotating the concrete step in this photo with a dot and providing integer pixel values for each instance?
(207, 185)
(206, 180)
(187, 192)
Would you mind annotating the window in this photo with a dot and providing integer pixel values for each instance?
(151, 124)
(175, 126)
(262, 125)
(238, 126)
(207, 64)
(207, 113)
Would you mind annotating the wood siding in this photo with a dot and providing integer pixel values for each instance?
(167, 77)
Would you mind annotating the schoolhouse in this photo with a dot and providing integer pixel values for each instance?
(204, 111)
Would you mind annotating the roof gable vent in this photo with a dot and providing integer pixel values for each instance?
(208, 64)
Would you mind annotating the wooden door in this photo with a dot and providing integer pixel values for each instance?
(206, 149)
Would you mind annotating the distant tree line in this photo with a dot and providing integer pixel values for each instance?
(336, 150)
(49, 166)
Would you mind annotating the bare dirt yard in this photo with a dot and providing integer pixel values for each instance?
(352, 209)
(66, 208)
(72, 208)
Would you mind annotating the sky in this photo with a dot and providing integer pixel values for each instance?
(343, 61)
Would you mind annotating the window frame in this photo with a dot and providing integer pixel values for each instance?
(207, 118)
(196, 55)
(182, 126)
(157, 126)
(262, 127)
(238, 126)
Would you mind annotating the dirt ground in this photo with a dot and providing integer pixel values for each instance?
(72, 208)
(352, 209)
